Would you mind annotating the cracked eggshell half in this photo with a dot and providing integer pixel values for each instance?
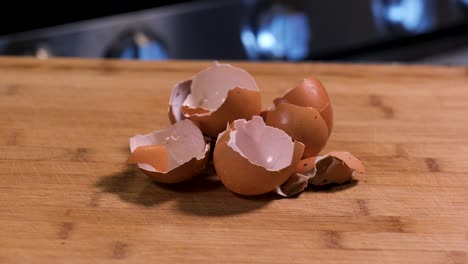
(310, 93)
(239, 104)
(303, 124)
(216, 96)
(251, 158)
(172, 155)
(336, 167)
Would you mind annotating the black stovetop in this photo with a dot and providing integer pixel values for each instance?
(333, 30)
(20, 16)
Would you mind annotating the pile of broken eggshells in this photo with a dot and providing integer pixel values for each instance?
(255, 151)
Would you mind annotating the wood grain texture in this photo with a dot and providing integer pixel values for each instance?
(67, 197)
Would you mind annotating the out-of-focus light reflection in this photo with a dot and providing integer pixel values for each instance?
(128, 53)
(42, 53)
(266, 40)
(144, 48)
(408, 13)
(464, 2)
(277, 32)
(413, 16)
(153, 51)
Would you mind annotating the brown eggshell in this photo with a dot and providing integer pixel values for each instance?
(242, 176)
(310, 93)
(182, 173)
(303, 124)
(263, 113)
(178, 95)
(306, 165)
(336, 167)
(147, 154)
(171, 155)
(210, 86)
(215, 96)
(239, 104)
(188, 112)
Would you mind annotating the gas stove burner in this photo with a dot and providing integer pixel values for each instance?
(404, 16)
(276, 31)
(138, 44)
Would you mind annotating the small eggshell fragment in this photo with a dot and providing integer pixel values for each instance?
(310, 93)
(239, 104)
(172, 155)
(295, 184)
(178, 95)
(298, 181)
(251, 158)
(303, 124)
(336, 167)
(350, 160)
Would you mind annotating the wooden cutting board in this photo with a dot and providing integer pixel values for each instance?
(66, 195)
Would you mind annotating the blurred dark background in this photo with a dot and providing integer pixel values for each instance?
(410, 31)
(19, 16)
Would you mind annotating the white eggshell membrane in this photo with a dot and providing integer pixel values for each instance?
(183, 141)
(262, 145)
(178, 95)
(210, 86)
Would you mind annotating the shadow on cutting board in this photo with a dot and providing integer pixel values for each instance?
(331, 188)
(204, 195)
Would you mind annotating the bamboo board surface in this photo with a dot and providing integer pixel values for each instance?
(66, 195)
